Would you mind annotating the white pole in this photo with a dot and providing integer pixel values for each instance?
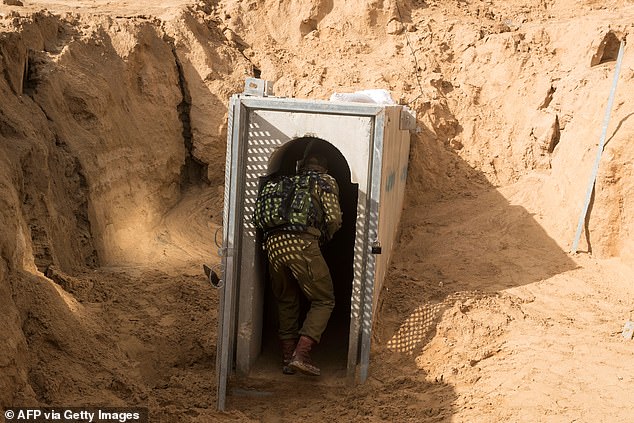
(595, 170)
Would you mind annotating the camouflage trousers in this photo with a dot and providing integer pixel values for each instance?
(297, 266)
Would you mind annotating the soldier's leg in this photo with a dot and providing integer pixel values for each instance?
(315, 282)
(287, 295)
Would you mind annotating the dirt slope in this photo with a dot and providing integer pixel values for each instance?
(112, 138)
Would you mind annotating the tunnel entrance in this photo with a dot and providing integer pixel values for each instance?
(367, 146)
(331, 354)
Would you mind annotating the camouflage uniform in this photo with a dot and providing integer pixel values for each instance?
(296, 263)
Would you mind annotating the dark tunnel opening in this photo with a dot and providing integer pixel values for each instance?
(331, 353)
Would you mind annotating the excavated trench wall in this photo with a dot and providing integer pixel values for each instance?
(504, 95)
(104, 124)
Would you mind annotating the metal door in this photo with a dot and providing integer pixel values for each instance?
(230, 256)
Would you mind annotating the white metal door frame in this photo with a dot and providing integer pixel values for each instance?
(366, 231)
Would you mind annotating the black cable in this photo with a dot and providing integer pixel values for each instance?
(420, 87)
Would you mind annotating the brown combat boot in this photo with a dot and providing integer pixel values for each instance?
(301, 357)
(288, 347)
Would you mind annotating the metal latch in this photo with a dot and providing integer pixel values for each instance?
(376, 247)
(408, 119)
(212, 275)
(258, 87)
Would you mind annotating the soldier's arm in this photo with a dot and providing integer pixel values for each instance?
(331, 206)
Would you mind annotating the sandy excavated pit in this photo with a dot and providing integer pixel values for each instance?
(112, 142)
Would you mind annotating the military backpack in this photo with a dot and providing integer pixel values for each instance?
(286, 203)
